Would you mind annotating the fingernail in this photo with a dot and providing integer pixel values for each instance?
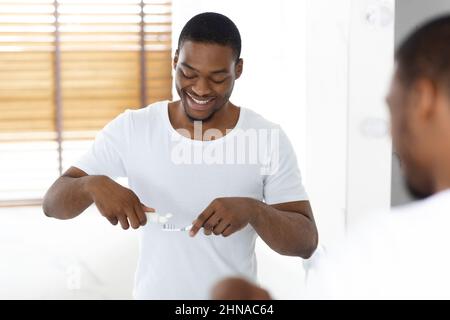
(191, 233)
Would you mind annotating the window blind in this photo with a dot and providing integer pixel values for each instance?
(67, 68)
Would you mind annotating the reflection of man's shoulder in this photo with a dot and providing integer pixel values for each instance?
(396, 253)
(436, 206)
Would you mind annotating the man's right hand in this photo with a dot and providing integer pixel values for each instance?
(117, 203)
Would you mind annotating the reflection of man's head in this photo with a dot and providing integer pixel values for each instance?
(419, 104)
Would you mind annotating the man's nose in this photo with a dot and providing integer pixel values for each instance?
(201, 88)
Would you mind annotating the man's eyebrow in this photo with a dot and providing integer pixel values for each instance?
(220, 71)
(188, 66)
(215, 72)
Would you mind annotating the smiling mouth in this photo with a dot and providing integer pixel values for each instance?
(200, 101)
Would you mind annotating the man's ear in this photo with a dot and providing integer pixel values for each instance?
(175, 59)
(239, 68)
(425, 98)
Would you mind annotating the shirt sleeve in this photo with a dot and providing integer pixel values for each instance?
(283, 182)
(106, 156)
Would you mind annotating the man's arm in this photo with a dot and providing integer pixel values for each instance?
(75, 191)
(69, 195)
(288, 228)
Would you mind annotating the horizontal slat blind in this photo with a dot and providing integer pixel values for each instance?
(109, 60)
(101, 58)
(100, 43)
(26, 66)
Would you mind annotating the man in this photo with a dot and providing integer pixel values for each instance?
(401, 254)
(180, 158)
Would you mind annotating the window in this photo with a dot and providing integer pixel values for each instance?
(68, 67)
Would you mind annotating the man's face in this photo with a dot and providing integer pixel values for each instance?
(204, 77)
(409, 138)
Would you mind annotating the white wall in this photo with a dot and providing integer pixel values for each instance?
(370, 66)
(349, 60)
(327, 24)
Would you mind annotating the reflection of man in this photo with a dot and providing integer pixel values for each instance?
(403, 253)
(235, 199)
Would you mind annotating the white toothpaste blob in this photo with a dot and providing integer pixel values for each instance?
(155, 217)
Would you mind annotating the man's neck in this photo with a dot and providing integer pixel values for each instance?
(224, 119)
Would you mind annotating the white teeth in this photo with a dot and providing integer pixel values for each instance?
(199, 101)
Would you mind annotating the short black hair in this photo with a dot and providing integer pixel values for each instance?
(211, 27)
(426, 53)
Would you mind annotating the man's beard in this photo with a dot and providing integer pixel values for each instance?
(193, 119)
(216, 108)
(415, 192)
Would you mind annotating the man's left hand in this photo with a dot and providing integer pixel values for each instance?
(225, 216)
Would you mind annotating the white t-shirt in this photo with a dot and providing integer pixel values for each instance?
(178, 175)
(400, 254)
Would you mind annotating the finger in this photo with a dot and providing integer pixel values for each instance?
(207, 232)
(147, 209)
(140, 214)
(229, 230)
(220, 227)
(209, 224)
(113, 220)
(123, 221)
(133, 218)
(198, 223)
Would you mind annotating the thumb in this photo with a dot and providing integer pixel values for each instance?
(147, 209)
